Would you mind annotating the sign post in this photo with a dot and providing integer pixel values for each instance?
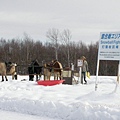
(80, 64)
(118, 76)
(109, 48)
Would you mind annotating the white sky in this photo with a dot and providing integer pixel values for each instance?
(84, 18)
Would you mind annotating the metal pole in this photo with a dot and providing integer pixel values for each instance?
(118, 77)
(97, 75)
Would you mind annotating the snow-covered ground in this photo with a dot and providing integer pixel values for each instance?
(27, 100)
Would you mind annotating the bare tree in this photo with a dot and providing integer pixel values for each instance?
(53, 35)
(66, 37)
(92, 57)
(28, 42)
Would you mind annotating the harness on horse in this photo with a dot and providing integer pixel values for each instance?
(34, 64)
(8, 65)
(50, 66)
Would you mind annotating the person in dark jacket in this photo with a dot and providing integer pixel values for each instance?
(84, 70)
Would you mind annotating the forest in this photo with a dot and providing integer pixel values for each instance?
(23, 50)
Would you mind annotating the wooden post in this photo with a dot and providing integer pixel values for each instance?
(80, 76)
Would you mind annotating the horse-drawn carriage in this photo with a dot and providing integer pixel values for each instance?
(53, 68)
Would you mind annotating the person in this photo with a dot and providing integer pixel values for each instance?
(84, 70)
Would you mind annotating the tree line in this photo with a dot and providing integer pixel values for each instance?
(23, 51)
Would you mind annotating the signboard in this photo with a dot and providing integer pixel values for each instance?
(109, 46)
(79, 63)
(109, 49)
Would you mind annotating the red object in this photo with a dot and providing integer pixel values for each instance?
(50, 82)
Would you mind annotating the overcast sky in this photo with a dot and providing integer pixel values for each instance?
(84, 18)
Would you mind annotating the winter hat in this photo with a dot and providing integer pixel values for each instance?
(83, 57)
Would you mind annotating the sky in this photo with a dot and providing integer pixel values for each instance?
(26, 100)
(85, 19)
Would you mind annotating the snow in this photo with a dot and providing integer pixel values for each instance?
(28, 100)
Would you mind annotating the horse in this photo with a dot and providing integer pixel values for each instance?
(7, 68)
(34, 68)
(55, 68)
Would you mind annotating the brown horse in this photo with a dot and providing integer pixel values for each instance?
(7, 68)
(53, 68)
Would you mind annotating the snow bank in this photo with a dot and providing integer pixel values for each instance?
(66, 102)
